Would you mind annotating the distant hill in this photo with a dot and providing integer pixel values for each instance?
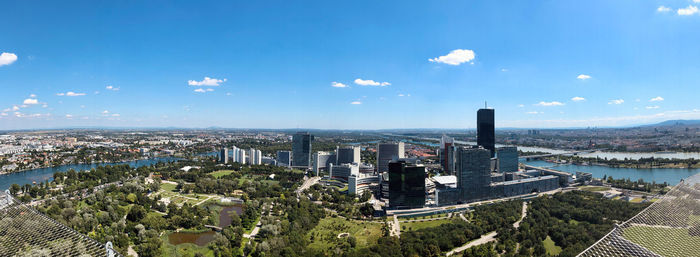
(675, 123)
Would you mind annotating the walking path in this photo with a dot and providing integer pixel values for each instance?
(490, 237)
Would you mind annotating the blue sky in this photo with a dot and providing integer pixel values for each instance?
(347, 65)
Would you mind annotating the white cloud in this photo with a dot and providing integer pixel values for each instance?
(690, 10)
(616, 101)
(553, 103)
(69, 116)
(70, 93)
(207, 81)
(15, 108)
(3, 114)
(7, 58)
(533, 112)
(32, 96)
(455, 57)
(656, 99)
(115, 115)
(663, 9)
(338, 84)
(653, 107)
(355, 102)
(578, 99)
(370, 82)
(202, 90)
(521, 105)
(504, 70)
(111, 88)
(105, 112)
(31, 101)
(583, 77)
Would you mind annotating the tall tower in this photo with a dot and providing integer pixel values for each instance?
(301, 149)
(485, 129)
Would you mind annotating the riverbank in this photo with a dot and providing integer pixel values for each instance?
(46, 174)
(643, 163)
(85, 163)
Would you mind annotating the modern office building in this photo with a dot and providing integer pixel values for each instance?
(507, 159)
(347, 154)
(301, 149)
(473, 167)
(357, 184)
(406, 185)
(524, 186)
(343, 171)
(284, 158)
(223, 155)
(486, 130)
(387, 152)
(321, 161)
(473, 174)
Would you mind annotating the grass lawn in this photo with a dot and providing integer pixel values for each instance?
(594, 188)
(325, 235)
(167, 187)
(221, 173)
(551, 247)
(664, 241)
(416, 225)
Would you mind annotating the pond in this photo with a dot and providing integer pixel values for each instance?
(203, 238)
(227, 212)
(198, 238)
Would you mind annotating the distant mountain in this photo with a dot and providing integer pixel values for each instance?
(676, 123)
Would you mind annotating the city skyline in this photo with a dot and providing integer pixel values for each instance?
(361, 65)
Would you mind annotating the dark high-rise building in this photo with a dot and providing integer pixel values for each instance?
(473, 169)
(485, 129)
(507, 159)
(301, 149)
(284, 158)
(406, 185)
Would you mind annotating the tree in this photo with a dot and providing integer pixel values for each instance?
(14, 189)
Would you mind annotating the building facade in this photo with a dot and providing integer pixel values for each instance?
(387, 152)
(284, 158)
(321, 161)
(406, 185)
(223, 155)
(347, 154)
(507, 159)
(485, 129)
(301, 149)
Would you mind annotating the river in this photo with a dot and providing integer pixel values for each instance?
(659, 175)
(42, 174)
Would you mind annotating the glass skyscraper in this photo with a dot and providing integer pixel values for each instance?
(486, 130)
(406, 185)
(301, 149)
